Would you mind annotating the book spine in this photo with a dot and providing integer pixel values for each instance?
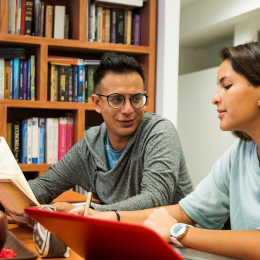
(16, 141)
(53, 90)
(11, 79)
(80, 84)
(104, 25)
(125, 25)
(120, 26)
(70, 132)
(39, 19)
(11, 16)
(67, 84)
(7, 80)
(62, 83)
(9, 135)
(96, 22)
(70, 84)
(36, 17)
(28, 17)
(99, 24)
(129, 27)
(133, 29)
(59, 20)
(87, 19)
(29, 81)
(91, 69)
(86, 83)
(137, 29)
(107, 26)
(64, 60)
(92, 23)
(16, 79)
(41, 139)
(62, 136)
(32, 77)
(49, 21)
(21, 80)
(49, 140)
(113, 26)
(75, 83)
(55, 139)
(42, 18)
(29, 141)
(66, 27)
(23, 11)
(35, 139)
(18, 16)
(2, 78)
(24, 140)
(25, 79)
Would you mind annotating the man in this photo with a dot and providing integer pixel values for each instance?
(133, 160)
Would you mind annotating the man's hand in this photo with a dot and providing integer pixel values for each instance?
(108, 215)
(161, 222)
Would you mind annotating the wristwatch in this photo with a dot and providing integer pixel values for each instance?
(177, 231)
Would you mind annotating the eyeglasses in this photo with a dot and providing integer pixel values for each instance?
(117, 100)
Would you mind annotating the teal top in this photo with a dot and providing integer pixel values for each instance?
(231, 189)
(112, 156)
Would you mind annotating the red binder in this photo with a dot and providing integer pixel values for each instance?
(101, 239)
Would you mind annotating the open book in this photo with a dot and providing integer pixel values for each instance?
(15, 192)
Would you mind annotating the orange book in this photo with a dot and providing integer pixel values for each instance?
(7, 80)
(65, 60)
(104, 25)
(49, 21)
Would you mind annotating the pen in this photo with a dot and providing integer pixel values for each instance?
(89, 197)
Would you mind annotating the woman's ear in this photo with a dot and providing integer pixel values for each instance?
(96, 102)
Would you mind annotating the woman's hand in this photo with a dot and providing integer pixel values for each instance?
(161, 222)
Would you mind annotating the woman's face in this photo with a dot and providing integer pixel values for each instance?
(236, 100)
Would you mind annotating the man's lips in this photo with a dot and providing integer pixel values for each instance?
(221, 112)
(126, 122)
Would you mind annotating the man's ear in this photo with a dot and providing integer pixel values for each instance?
(95, 100)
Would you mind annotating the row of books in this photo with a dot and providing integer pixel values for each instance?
(112, 25)
(17, 79)
(38, 140)
(71, 79)
(29, 17)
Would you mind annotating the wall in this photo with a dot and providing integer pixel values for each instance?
(198, 125)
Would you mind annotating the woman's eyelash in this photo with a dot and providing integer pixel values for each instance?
(227, 87)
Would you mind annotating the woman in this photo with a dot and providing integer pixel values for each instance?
(232, 189)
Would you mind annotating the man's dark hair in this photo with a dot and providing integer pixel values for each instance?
(116, 64)
(245, 60)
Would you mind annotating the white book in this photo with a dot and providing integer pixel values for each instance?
(99, 24)
(107, 27)
(49, 140)
(92, 23)
(29, 141)
(35, 139)
(136, 3)
(59, 21)
(2, 76)
(13, 184)
(11, 16)
(55, 139)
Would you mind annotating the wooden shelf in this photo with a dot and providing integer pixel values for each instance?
(41, 168)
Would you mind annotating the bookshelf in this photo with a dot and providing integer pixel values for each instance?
(76, 46)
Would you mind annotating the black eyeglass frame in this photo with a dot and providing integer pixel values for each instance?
(124, 99)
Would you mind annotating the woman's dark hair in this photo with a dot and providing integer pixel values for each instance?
(245, 60)
(116, 64)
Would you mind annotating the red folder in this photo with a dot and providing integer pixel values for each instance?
(102, 239)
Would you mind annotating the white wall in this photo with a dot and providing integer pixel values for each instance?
(166, 101)
(198, 125)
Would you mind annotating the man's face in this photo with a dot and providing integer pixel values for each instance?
(121, 122)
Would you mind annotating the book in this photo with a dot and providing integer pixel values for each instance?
(92, 23)
(18, 17)
(87, 18)
(86, 83)
(66, 27)
(80, 84)
(107, 26)
(129, 27)
(91, 69)
(99, 23)
(113, 25)
(11, 16)
(103, 24)
(62, 83)
(41, 18)
(11, 89)
(49, 141)
(16, 141)
(120, 20)
(32, 77)
(133, 28)
(16, 80)
(49, 21)
(70, 133)
(75, 83)
(91, 62)
(25, 80)
(35, 139)
(137, 33)
(24, 140)
(28, 17)
(29, 141)
(29, 81)
(7, 80)
(23, 11)
(62, 137)
(64, 60)
(70, 71)
(124, 3)
(55, 139)
(9, 135)
(2, 78)
(125, 25)
(15, 192)
(41, 139)
(59, 20)
(36, 17)
(53, 82)
(21, 80)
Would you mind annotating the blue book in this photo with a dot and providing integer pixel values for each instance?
(16, 79)
(11, 79)
(21, 80)
(29, 81)
(81, 88)
(75, 83)
(41, 139)
(25, 79)
(24, 140)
